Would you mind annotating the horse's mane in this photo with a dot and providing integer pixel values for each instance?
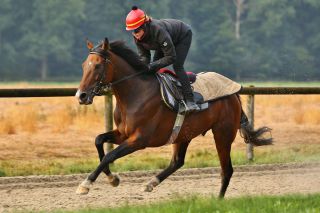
(119, 48)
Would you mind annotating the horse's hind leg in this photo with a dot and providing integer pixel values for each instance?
(177, 161)
(223, 139)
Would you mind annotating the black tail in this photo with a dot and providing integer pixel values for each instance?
(249, 134)
(253, 136)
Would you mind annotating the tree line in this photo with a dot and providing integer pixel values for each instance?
(242, 39)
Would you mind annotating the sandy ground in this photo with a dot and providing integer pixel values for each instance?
(58, 192)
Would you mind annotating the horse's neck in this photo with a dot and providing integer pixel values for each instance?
(135, 89)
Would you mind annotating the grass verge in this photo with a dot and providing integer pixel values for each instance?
(289, 203)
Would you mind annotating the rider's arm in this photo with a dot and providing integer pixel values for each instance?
(167, 48)
(144, 54)
(157, 55)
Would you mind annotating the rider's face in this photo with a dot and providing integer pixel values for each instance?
(138, 33)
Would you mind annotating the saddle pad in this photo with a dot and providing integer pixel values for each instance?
(212, 86)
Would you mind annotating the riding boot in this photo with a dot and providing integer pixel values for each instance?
(191, 104)
(188, 95)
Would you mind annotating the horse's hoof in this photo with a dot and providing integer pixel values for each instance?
(81, 190)
(148, 188)
(114, 180)
(84, 187)
(153, 183)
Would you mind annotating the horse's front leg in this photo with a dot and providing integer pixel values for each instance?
(177, 161)
(128, 146)
(113, 137)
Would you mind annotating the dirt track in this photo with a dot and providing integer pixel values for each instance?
(58, 192)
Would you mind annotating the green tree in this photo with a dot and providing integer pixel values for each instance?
(280, 34)
(242, 39)
(49, 32)
(6, 22)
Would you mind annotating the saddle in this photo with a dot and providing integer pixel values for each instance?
(171, 89)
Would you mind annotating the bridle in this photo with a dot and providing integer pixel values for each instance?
(103, 86)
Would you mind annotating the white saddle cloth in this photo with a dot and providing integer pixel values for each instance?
(212, 86)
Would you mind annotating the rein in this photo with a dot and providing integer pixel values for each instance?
(124, 78)
(101, 85)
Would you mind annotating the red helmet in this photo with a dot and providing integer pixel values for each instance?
(135, 18)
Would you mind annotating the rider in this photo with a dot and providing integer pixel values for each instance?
(171, 40)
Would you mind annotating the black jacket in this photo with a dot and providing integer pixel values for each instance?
(161, 35)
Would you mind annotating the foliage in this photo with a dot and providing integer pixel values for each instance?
(279, 39)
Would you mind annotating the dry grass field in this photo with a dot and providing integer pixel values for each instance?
(36, 129)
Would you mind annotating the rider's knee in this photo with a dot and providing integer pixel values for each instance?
(178, 67)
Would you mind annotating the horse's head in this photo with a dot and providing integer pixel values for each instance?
(94, 68)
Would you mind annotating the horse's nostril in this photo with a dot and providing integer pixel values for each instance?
(83, 96)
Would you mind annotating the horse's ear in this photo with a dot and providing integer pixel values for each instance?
(89, 44)
(105, 44)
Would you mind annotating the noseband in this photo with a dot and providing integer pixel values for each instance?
(102, 86)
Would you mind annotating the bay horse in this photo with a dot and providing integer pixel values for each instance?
(142, 119)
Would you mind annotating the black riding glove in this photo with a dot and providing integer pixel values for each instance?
(153, 66)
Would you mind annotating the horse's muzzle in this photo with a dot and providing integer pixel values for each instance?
(84, 97)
